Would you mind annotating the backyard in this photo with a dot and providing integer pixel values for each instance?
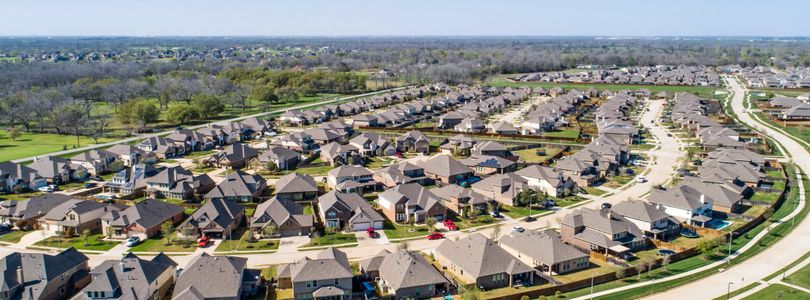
(537, 155)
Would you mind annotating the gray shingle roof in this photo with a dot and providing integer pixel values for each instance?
(296, 183)
(545, 246)
(480, 256)
(212, 276)
(404, 269)
(148, 214)
(130, 277)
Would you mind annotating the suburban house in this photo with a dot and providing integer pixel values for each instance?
(177, 183)
(405, 275)
(487, 164)
(351, 179)
(461, 200)
(337, 154)
(239, 186)
(287, 216)
(348, 211)
(502, 187)
(283, 158)
(446, 169)
(601, 231)
(475, 259)
(471, 124)
(372, 144)
(400, 173)
(322, 136)
(546, 179)
(95, 161)
(491, 148)
(413, 141)
(57, 170)
(25, 213)
(411, 201)
(234, 156)
(328, 276)
(15, 177)
(685, 203)
(129, 155)
(130, 180)
(545, 251)
(217, 218)
(650, 218)
(144, 219)
(298, 187)
(198, 280)
(73, 216)
(298, 141)
(44, 276)
(505, 128)
(131, 278)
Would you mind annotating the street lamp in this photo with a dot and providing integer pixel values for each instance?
(728, 289)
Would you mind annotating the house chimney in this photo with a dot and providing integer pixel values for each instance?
(20, 274)
(703, 198)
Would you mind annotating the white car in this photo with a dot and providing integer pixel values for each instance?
(518, 229)
(638, 163)
(46, 189)
(641, 179)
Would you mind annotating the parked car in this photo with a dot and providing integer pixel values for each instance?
(203, 241)
(548, 203)
(5, 228)
(435, 236)
(132, 241)
(606, 205)
(518, 229)
(371, 233)
(529, 219)
(450, 225)
(90, 185)
(46, 189)
(641, 179)
(629, 171)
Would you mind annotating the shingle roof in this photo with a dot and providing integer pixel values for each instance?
(130, 277)
(404, 269)
(480, 256)
(296, 183)
(279, 211)
(544, 246)
(148, 213)
(211, 276)
(445, 166)
(238, 184)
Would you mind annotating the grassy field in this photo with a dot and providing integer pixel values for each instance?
(332, 239)
(243, 245)
(94, 242)
(20, 197)
(566, 133)
(531, 156)
(800, 278)
(778, 291)
(158, 244)
(30, 144)
(501, 80)
(13, 236)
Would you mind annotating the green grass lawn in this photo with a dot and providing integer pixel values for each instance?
(531, 155)
(702, 91)
(158, 244)
(594, 191)
(243, 245)
(332, 239)
(778, 291)
(800, 278)
(315, 168)
(30, 144)
(567, 133)
(395, 231)
(13, 236)
(520, 211)
(765, 196)
(94, 242)
(21, 196)
(378, 162)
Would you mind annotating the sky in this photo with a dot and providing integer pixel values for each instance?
(404, 18)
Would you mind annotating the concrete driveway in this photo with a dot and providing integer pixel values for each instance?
(364, 240)
(291, 244)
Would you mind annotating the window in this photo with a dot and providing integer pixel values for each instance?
(62, 291)
(103, 295)
(337, 281)
(72, 217)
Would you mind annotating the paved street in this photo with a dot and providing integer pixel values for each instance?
(786, 251)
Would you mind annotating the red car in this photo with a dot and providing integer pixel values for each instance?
(435, 236)
(203, 241)
(450, 225)
(371, 233)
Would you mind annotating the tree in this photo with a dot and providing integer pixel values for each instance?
(271, 166)
(471, 293)
(665, 262)
(139, 112)
(640, 267)
(207, 106)
(430, 222)
(115, 166)
(85, 236)
(706, 247)
(109, 232)
(270, 230)
(14, 133)
(620, 273)
(496, 232)
(181, 113)
(167, 228)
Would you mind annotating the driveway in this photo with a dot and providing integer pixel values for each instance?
(291, 244)
(364, 240)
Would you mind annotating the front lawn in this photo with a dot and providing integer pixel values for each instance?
(94, 242)
(314, 168)
(591, 190)
(158, 244)
(242, 244)
(520, 211)
(331, 239)
(13, 236)
(395, 231)
(20, 196)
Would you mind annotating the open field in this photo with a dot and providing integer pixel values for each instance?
(30, 143)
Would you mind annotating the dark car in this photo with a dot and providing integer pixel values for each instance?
(549, 203)
(629, 171)
(606, 205)
(90, 185)
(529, 219)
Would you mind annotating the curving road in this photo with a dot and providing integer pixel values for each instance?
(783, 253)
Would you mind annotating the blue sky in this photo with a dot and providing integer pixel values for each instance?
(407, 17)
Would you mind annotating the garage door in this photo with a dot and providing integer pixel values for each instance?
(360, 226)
